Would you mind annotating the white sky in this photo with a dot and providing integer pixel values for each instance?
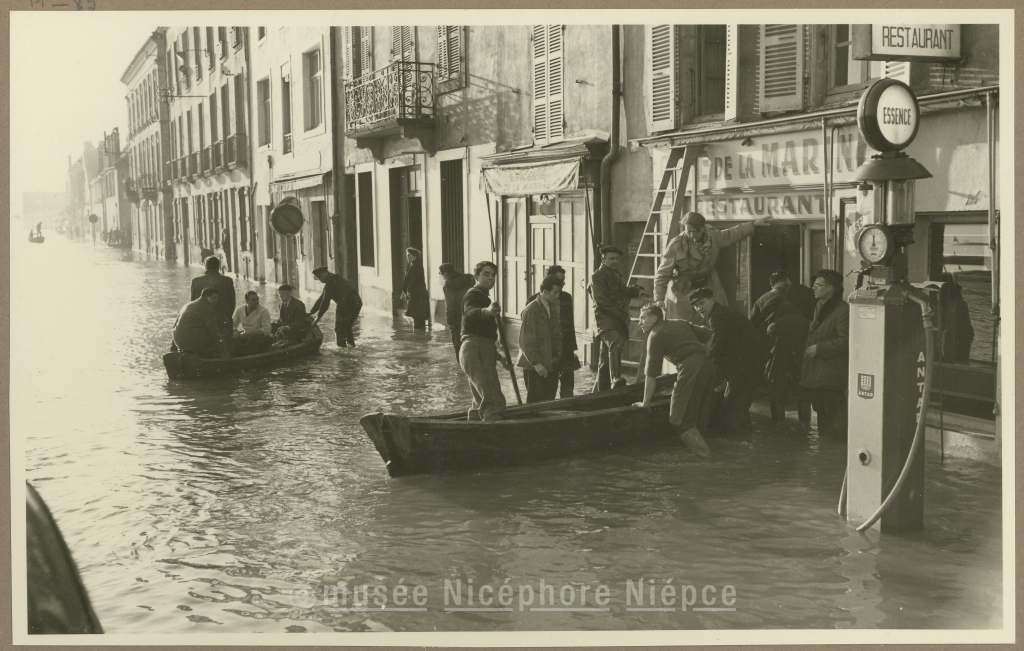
(65, 89)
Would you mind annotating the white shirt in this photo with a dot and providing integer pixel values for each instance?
(257, 320)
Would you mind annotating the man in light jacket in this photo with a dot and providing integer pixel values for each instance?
(540, 342)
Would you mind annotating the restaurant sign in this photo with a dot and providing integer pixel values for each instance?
(897, 42)
(788, 205)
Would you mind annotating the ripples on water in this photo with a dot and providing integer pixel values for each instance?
(198, 506)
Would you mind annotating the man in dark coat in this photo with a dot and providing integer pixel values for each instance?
(225, 287)
(197, 329)
(347, 302)
(826, 358)
(802, 297)
(293, 322)
(540, 342)
(787, 337)
(568, 362)
(737, 349)
(455, 286)
(611, 317)
(774, 303)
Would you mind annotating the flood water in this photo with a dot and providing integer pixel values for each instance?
(219, 506)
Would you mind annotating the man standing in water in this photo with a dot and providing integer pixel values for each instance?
(611, 317)
(346, 300)
(681, 343)
(479, 354)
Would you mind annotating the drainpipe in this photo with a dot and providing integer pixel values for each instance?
(337, 95)
(252, 170)
(613, 150)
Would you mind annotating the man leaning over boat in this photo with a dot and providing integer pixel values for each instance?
(681, 343)
(197, 329)
(479, 354)
(347, 300)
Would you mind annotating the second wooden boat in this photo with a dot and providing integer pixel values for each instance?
(595, 421)
(187, 366)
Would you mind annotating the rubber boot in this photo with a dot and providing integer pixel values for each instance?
(778, 411)
(803, 410)
(695, 442)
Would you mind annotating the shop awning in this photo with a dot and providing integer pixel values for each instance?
(297, 182)
(522, 179)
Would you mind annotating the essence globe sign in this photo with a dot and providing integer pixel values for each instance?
(888, 115)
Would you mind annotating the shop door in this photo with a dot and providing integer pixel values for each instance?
(542, 251)
(513, 247)
(572, 251)
(406, 225)
(773, 249)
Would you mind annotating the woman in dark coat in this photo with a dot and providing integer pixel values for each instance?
(826, 358)
(414, 289)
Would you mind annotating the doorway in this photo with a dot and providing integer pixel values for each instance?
(774, 249)
(350, 264)
(321, 236)
(406, 224)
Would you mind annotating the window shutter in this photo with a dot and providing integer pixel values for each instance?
(556, 117)
(732, 69)
(782, 68)
(454, 50)
(897, 70)
(662, 80)
(349, 51)
(365, 50)
(401, 43)
(540, 84)
(442, 51)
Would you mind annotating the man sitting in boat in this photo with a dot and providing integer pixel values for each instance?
(347, 300)
(225, 288)
(540, 342)
(197, 329)
(479, 354)
(681, 343)
(254, 321)
(293, 325)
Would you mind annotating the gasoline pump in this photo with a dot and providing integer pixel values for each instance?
(890, 327)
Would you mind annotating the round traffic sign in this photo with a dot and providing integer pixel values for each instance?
(888, 115)
(93, 219)
(287, 219)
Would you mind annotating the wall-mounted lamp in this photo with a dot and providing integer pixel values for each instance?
(747, 142)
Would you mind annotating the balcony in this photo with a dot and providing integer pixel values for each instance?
(396, 101)
(131, 190)
(193, 165)
(218, 155)
(237, 153)
(205, 159)
(149, 186)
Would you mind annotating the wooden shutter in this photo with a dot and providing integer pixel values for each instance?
(365, 50)
(782, 68)
(897, 70)
(732, 69)
(449, 51)
(402, 43)
(349, 50)
(556, 117)
(442, 51)
(540, 84)
(662, 78)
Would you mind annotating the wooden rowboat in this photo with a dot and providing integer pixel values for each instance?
(542, 430)
(187, 366)
(38, 239)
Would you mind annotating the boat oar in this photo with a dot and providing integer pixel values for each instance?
(508, 356)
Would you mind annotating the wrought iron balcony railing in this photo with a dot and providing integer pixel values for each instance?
(403, 90)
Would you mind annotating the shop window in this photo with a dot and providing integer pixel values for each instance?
(548, 115)
(960, 254)
(364, 197)
(844, 70)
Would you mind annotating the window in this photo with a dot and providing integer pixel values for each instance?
(225, 108)
(845, 70)
(184, 56)
(222, 38)
(313, 94)
(236, 37)
(452, 213)
(960, 253)
(402, 44)
(188, 121)
(548, 118)
(359, 48)
(364, 195)
(202, 126)
(209, 48)
(263, 102)
(711, 44)
(261, 33)
(286, 113)
(198, 50)
(214, 117)
(240, 103)
(449, 58)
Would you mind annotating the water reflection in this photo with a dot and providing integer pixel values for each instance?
(199, 506)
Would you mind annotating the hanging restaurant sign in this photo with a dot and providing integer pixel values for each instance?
(887, 42)
(524, 179)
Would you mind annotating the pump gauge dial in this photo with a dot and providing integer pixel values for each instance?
(875, 243)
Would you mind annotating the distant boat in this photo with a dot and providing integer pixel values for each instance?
(187, 366)
(542, 430)
(36, 239)
(119, 245)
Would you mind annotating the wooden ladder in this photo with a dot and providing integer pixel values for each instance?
(662, 226)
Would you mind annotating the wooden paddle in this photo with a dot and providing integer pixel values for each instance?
(508, 356)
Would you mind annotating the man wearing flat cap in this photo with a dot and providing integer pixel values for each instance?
(611, 317)
(347, 300)
(737, 350)
(826, 359)
(689, 263)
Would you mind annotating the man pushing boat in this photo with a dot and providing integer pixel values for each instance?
(681, 343)
(479, 354)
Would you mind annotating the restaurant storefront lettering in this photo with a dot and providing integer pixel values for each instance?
(800, 205)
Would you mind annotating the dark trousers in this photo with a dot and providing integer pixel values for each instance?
(456, 338)
(736, 405)
(566, 383)
(540, 388)
(830, 404)
(343, 325)
(419, 324)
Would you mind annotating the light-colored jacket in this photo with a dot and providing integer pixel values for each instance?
(684, 258)
(258, 320)
(540, 336)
